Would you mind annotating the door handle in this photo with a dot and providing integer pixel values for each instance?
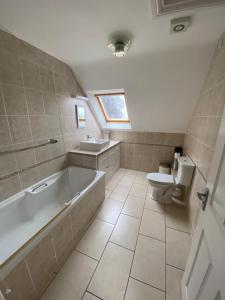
(203, 197)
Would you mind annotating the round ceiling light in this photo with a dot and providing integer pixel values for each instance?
(119, 47)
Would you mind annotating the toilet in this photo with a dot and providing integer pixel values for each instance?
(165, 186)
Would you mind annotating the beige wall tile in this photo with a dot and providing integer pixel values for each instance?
(34, 116)
(7, 164)
(20, 284)
(20, 129)
(62, 240)
(42, 264)
(29, 177)
(31, 75)
(4, 132)
(35, 102)
(15, 100)
(9, 186)
(203, 127)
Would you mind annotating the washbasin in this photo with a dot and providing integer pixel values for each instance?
(93, 144)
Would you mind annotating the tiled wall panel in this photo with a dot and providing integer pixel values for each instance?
(35, 105)
(203, 127)
(144, 151)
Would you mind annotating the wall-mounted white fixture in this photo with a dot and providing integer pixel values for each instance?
(119, 46)
(180, 24)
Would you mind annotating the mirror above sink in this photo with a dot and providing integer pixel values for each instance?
(93, 144)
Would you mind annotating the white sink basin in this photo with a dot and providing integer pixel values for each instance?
(93, 144)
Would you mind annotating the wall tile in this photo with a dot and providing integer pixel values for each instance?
(20, 129)
(202, 131)
(4, 131)
(35, 102)
(9, 187)
(20, 284)
(42, 272)
(7, 164)
(30, 81)
(15, 100)
(31, 75)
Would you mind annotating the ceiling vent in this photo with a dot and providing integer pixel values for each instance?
(180, 24)
(162, 7)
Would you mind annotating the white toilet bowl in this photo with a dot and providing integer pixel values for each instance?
(165, 187)
(162, 186)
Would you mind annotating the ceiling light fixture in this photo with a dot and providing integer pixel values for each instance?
(119, 46)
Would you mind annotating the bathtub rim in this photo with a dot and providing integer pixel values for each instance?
(17, 256)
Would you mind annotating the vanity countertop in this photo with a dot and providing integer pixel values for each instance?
(91, 153)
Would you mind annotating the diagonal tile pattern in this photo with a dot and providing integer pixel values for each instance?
(134, 249)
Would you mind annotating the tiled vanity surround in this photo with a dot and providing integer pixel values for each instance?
(144, 151)
(107, 160)
(29, 279)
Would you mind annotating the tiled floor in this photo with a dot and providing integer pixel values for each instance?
(136, 249)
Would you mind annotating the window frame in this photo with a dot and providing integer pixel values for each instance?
(107, 119)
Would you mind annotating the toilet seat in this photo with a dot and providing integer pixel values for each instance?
(160, 178)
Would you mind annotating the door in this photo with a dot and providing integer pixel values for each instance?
(204, 276)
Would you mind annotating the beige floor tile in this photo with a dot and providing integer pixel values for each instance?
(95, 239)
(153, 225)
(88, 296)
(125, 232)
(149, 262)
(110, 211)
(118, 196)
(127, 181)
(107, 193)
(72, 280)
(177, 248)
(122, 190)
(177, 218)
(138, 190)
(141, 179)
(110, 279)
(134, 206)
(111, 185)
(137, 290)
(173, 283)
(154, 205)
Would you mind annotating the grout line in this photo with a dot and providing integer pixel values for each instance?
(134, 251)
(175, 267)
(178, 230)
(120, 245)
(150, 237)
(163, 291)
(85, 254)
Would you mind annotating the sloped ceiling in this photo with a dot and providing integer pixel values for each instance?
(162, 73)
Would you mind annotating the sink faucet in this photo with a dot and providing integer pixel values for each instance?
(89, 137)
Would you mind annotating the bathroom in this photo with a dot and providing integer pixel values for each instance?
(112, 150)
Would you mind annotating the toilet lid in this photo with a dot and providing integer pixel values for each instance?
(160, 178)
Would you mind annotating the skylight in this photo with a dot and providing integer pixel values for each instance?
(113, 107)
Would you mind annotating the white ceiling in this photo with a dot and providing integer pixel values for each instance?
(162, 73)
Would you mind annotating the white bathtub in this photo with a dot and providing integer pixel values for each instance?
(28, 212)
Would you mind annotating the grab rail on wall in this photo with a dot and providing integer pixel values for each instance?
(50, 141)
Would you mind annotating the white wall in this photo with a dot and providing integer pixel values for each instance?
(161, 88)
